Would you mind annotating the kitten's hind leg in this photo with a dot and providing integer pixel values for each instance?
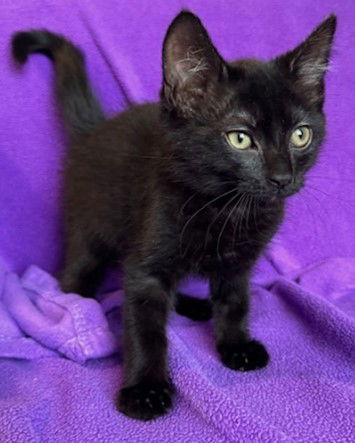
(85, 266)
(194, 308)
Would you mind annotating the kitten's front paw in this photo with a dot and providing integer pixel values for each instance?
(244, 356)
(145, 401)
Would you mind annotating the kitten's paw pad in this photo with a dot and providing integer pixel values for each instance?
(244, 356)
(145, 401)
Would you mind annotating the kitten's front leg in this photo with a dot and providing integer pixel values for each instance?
(230, 296)
(147, 390)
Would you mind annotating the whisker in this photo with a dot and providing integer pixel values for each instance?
(248, 207)
(255, 207)
(315, 220)
(145, 156)
(333, 197)
(239, 217)
(240, 227)
(197, 212)
(224, 226)
(181, 211)
(322, 207)
(187, 202)
(216, 217)
(330, 178)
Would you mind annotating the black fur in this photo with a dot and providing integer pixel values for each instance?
(160, 189)
(81, 111)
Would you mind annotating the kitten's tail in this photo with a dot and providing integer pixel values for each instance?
(80, 109)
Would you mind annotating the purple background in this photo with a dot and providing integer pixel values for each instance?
(122, 41)
(306, 392)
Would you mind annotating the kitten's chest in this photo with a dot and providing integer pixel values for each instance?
(226, 236)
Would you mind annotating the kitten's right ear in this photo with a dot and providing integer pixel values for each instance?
(308, 62)
(192, 67)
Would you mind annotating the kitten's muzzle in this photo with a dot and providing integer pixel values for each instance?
(280, 181)
(283, 185)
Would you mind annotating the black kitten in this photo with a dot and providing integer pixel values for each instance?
(193, 184)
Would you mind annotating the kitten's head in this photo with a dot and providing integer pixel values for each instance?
(249, 124)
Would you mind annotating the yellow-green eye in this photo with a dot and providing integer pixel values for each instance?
(239, 139)
(301, 136)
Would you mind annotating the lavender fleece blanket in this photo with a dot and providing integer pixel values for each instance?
(60, 356)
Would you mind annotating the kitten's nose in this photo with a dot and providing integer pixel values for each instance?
(280, 180)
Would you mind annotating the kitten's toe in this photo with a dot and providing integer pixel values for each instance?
(145, 401)
(244, 356)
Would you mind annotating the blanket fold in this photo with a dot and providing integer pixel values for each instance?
(304, 317)
(52, 323)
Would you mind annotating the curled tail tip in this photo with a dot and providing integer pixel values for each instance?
(21, 45)
(26, 42)
(80, 109)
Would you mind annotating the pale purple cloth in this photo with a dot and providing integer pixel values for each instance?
(37, 316)
(60, 359)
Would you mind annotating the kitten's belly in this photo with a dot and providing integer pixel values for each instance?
(210, 263)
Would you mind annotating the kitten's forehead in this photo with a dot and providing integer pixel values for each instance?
(262, 95)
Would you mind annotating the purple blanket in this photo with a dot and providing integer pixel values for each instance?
(60, 359)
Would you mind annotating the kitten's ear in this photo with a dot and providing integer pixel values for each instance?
(192, 67)
(308, 62)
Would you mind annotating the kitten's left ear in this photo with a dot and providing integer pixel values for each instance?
(192, 67)
(308, 62)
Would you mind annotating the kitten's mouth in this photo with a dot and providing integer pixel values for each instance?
(287, 192)
(282, 193)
